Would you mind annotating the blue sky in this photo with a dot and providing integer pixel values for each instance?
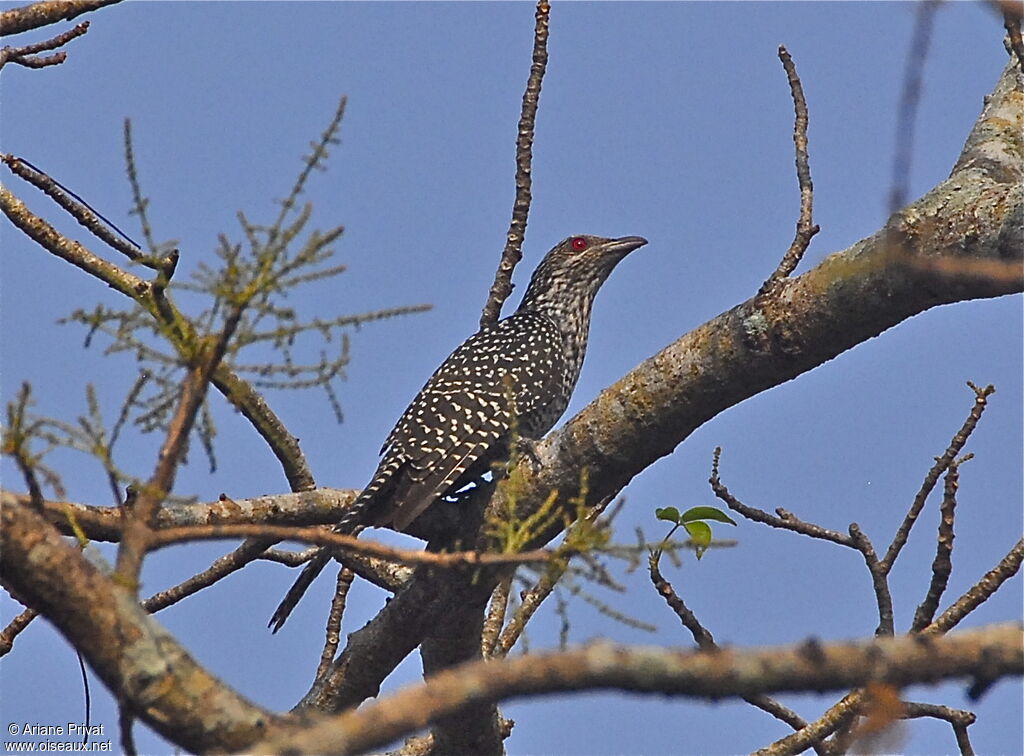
(668, 120)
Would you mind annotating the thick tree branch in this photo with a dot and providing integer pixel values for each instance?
(132, 654)
(807, 666)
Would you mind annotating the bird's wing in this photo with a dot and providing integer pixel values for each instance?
(453, 428)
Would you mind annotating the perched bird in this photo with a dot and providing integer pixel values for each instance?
(516, 375)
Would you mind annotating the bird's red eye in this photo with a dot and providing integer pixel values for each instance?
(579, 244)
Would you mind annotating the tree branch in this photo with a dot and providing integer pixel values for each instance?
(513, 251)
(127, 649)
(27, 17)
(807, 666)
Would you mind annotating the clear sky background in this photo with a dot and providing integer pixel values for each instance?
(669, 120)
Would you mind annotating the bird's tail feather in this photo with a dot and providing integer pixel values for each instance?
(313, 568)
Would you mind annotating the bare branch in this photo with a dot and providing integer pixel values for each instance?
(879, 579)
(783, 519)
(805, 227)
(9, 633)
(26, 55)
(316, 507)
(327, 537)
(981, 396)
(18, 20)
(249, 551)
(706, 641)
(512, 253)
(896, 661)
(333, 634)
(127, 649)
(530, 603)
(958, 718)
(980, 592)
(942, 565)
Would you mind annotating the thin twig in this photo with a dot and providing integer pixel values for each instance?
(77, 208)
(906, 119)
(138, 527)
(252, 549)
(513, 253)
(805, 227)
(26, 54)
(958, 718)
(706, 641)
(784, 519)
(332, 635)
(325, 537)
(942, 565)
(530, 602)
(883, 597)
(19, 623)
(981, 396)
(980, 592)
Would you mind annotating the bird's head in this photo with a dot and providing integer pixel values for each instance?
(576, 267)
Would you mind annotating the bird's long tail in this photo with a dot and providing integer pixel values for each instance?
(309, 573)
(350, 524)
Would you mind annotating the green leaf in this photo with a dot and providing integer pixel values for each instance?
(667, 513)
(705, 513)
(700, 534)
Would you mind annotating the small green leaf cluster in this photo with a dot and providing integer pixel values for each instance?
(694, 521)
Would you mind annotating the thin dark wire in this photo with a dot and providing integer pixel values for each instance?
(93, 210)
(85, 687)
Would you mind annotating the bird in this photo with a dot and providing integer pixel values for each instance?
(511, 378)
